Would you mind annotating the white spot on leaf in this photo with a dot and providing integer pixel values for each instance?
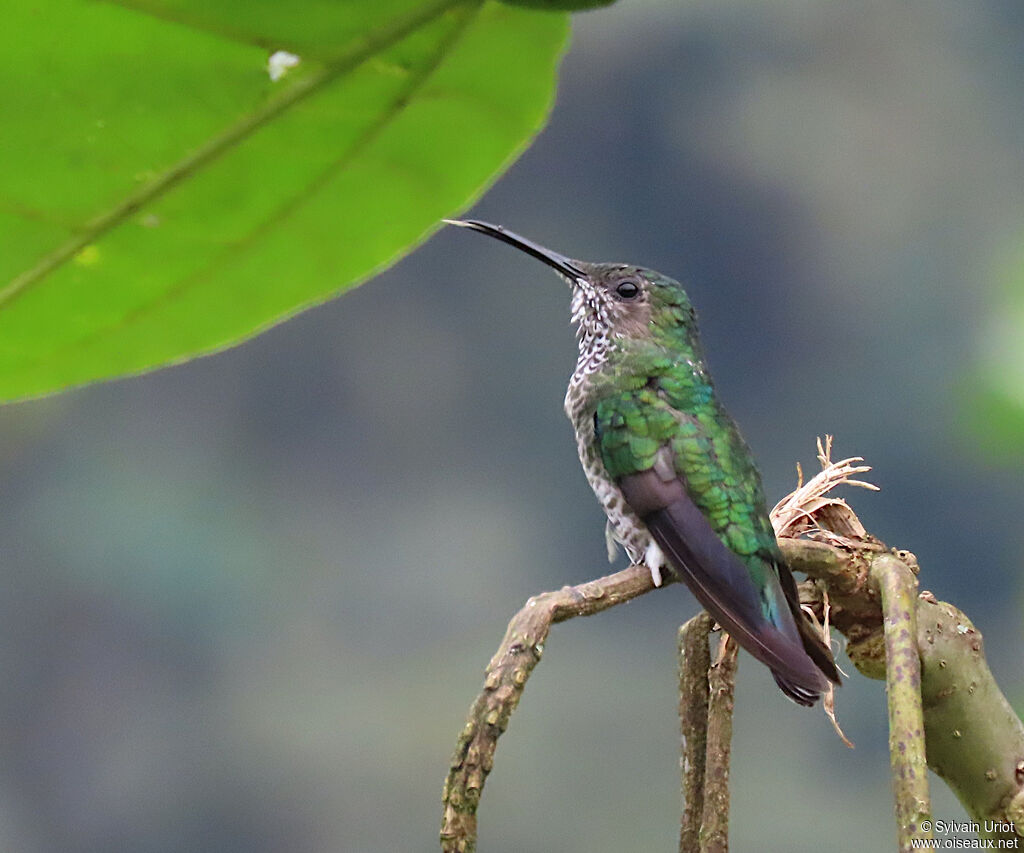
(280, 62)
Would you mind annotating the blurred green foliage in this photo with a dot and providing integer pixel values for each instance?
(163, 196)
(996, 396)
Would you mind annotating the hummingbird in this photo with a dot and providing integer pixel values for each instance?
(668, 465)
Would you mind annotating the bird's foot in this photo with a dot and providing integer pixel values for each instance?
(655, 561)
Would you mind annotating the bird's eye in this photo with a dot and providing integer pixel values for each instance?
(628, 289)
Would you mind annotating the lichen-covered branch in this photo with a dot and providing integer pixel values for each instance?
(706, 698)
(897, 586)
(504, 680)
(973, 739)
(714, 830)
(694, 663)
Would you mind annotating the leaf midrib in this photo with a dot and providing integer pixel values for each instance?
(352, 56)
(399, 101)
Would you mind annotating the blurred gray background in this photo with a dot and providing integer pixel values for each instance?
(247, 601)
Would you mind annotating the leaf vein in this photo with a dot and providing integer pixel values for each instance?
(400, 101)
(347, 60)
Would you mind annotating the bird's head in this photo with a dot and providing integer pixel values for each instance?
(609, 300)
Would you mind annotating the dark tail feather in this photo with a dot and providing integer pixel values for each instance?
(813, 642)
(815, 646)
(798, 694)
(724, 588)
(721, 582)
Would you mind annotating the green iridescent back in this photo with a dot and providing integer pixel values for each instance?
(658, 393)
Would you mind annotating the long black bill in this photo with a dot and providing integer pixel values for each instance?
(566, 266)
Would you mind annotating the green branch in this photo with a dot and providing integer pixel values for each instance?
(897, 586)
(973, 739)
(504, 680)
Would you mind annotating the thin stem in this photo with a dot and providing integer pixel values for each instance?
(694, 663)
(505, 678)
(714, 831)
(975, 741)
(898, 589)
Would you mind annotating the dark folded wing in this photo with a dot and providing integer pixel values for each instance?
(721, 582)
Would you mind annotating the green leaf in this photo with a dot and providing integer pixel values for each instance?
(561, 5)
(161, 197)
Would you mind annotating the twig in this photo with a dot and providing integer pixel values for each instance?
(504, 680)
(714, 831)
(694, 663)
(807, 510)
(898, 589)
(974, 741)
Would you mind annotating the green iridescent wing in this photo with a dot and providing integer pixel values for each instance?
(705, 450)
(687, 474)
